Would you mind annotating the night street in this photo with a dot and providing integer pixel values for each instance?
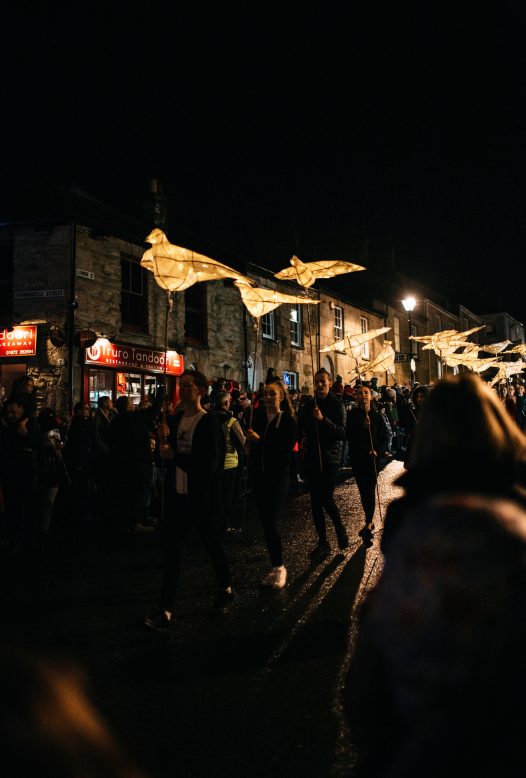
(252, 693)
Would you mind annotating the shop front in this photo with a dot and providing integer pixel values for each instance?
(116, 369)
(16, 346)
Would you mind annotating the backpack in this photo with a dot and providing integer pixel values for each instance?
(232, 442)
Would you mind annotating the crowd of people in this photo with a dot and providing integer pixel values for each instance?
(440, 635)
(106, 463)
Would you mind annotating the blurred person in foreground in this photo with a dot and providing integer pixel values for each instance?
(49, 726)
(441, 637)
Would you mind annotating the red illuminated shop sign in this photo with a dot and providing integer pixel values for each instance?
(20, 342)
(106, 354)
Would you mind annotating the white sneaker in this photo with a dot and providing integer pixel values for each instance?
(280, 577)
(276, 577)
(268, 580)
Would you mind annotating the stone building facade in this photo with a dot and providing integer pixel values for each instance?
(104, 326)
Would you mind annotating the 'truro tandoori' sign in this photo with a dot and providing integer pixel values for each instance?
(106, 354)
(19, 342)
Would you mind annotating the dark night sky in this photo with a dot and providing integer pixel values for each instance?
(405, 127)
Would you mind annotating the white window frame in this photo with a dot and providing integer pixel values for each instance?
(364, 327)
(338, 322)
(268, 326)
(396, 334)
(296, 325)
(291, 379)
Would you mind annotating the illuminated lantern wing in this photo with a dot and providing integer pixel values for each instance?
(380, 364)
(507, 369)
(496, 348)
(176, 268)
(338, 345)
(306, 273)
(352, 344)
(470, 361)
(357, 340)
(260, 301)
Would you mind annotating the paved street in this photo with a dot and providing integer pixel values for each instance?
(252, 693)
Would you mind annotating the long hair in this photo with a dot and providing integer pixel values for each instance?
(465, 438)
(285, 403)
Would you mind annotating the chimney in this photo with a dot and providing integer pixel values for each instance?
(155, 205)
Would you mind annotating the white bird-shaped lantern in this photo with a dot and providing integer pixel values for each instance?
(176, 268)
(306, 273)
(496, 348)
(470, 361)
(259, 301)
(520, 349)
(353, 343)
(381, 363)
(507, 369)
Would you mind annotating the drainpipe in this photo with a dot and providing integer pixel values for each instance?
(245, 346)
(72, 306)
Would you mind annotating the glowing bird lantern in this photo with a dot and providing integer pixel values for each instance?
(176, 268)
(306, 273)
(382, 363)
(261, 301)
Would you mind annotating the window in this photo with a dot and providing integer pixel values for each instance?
(338, 323)
(291, 379)
(296, 333)
(196, 315)
(414, 344)
(396, 334)
(364, 327)
(268, 328)
(134, 294)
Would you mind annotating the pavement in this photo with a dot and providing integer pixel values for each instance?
(256, 692)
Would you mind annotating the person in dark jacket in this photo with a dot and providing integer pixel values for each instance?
(78, 452)
(272, 438)
(23, 392)
(21, 445)
(322, 431)
(130, 457)
(192, 442)
(368, 438)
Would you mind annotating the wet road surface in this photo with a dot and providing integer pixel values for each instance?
(256, 692)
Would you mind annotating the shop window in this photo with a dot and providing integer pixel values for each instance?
(100, 385)
(296, 329)
(134, 294)
(196, 315)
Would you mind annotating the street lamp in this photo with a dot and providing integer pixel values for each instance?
(409, 305)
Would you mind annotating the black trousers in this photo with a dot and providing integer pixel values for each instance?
(321, 488)
(365, 476)
(179, 519)
(270, 492)
(228, 485)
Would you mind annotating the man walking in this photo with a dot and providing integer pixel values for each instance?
(367, 436)
(322, 430)
(192, 443)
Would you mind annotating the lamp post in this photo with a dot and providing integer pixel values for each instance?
(409, 305)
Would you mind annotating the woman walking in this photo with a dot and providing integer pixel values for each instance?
(272, 437)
